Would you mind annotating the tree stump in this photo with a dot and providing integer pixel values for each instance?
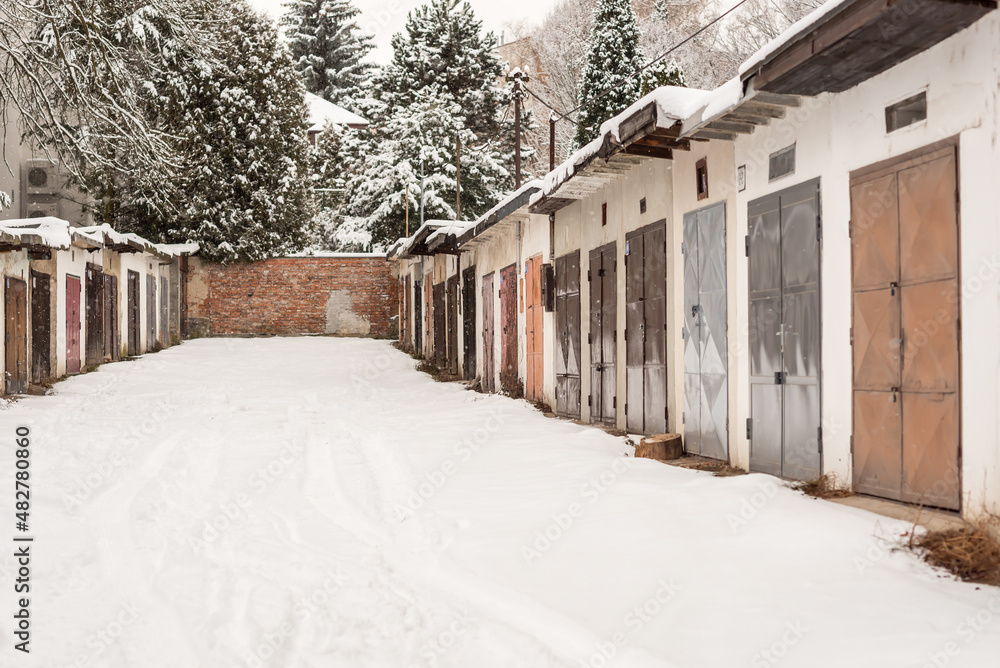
(660, 446)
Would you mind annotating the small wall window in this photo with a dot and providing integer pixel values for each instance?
(604, 214)
(781, 163)
(701, 172)
(909, 111)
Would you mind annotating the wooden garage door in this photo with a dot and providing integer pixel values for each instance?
(41, 327)
(452, 298)
(440, 328)
(509, 382)
(568, 335)
(94, 298)
(134, 342)
(602, 278)
(904, 232)
(16, 336)
(72, 324)
(533, 328)
(489, 378)
(645, 329)
(469, 322)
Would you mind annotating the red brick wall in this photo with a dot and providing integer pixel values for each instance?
(287, 296)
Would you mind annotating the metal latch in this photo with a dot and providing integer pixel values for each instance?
(779, 377)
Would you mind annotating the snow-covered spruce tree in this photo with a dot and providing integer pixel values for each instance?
(239, 126)
(610, 80)
(329, 49)
(425, 132)
(339, 152)
(443, 45)
(664, 73)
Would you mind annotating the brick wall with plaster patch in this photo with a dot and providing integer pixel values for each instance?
(347, 295)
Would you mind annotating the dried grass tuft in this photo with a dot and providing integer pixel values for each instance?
(824, 487)
(971, 553)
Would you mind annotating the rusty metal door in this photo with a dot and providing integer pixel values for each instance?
(645, 329)
(41, 327)
(705, 334)
(151, 343)
(603, 337)
(784, 266)
(112, 351)
(440, 346)
(533, 329)
(418, 318)
(16, 336)
(489, 375)
(469, 322)
(94, 314)
(508, 332)
(164, 311)
(568, 331)
(134, 343)
(72, 324)
(904, 237)
(452, 297)
(429, 315)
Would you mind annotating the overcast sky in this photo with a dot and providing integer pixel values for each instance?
(384, 18)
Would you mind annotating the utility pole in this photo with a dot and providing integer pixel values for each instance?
(552, 140)
(407, 210)
(421, 186)
(518, 78)
(458, 176)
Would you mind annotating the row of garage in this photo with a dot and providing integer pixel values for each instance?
(797, 271)
(77, 297)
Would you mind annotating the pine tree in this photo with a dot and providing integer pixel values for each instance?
(444, 46)
(238, 124)
(329, 49)
(420, 151)
(664, 73)
(610, 81)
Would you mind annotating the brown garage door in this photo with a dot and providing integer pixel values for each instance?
(508, 332)
(16, 336)
(904, 233)
(469, 322)
(645, 329)
(440, 328)
(452, 298)
(603, 333)
(418, 318)
(489, 382)
(134, 343)
(533, 328)
(568, 332)
(112, 349)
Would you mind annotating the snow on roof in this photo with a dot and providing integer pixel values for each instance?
(323, 111)
(454, 228)
(46, 231)
(718, 102)
(673, 104)
(807, 22)
(179, 249)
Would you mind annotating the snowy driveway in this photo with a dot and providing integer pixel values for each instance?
(316, 502)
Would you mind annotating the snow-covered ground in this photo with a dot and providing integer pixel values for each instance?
(316, 502)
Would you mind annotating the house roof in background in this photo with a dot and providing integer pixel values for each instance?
(323, 111)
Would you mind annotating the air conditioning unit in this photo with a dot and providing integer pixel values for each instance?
(41, 209)
(41, 177)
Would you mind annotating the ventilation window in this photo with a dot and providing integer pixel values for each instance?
(701, 172)
(781, 163)
(604, 214)
(909, 111)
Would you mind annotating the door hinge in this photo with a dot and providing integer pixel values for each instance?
(819, 439)
(683, 248)
(590, 400)
(819, 228)
(684, 333)
(626, 408)
(683, 417)
(749, 429)
(588, 275)
(614, 335)
(588, 338)
(666, 416)
(614, 401)
(747, 242)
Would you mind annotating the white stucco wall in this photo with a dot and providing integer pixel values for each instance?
(837, 134)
